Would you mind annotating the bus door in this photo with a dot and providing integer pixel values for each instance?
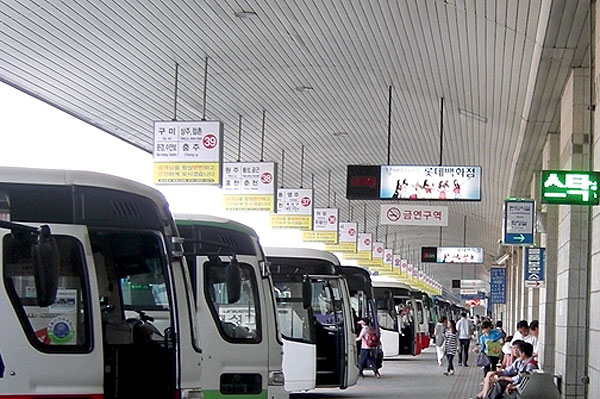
(295, 319)
(335, 352)
(350, 375)
(388, 322)
(407, 325)
(49, 343)
(423, 324)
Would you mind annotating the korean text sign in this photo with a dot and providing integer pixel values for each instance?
(498, 284)
(412, 182)
(534, 260)
(295, 201)
(519, 222)
(189, 152)
(413, 215)
(570, 187)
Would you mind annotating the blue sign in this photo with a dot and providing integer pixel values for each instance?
(498, 285)
(534, 266)
(519, 222)
(479, 295)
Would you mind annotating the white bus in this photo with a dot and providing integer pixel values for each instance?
(241, 344)
(398, 318)
(315, 319)
(93, 301)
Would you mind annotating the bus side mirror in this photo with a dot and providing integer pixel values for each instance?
(306, 293)
(233, 274)
(46, 263)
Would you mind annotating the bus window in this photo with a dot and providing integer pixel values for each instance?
(293, 320)
(240, 321)
(63, 326)
(420, 313)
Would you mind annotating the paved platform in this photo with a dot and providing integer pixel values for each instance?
(416, 377)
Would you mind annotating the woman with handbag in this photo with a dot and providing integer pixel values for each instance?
(489, 347)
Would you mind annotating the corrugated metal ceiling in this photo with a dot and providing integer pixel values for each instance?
(112, 63)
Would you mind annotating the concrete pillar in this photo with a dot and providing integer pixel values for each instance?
(549, 240)
(572, 241)
(594, 314)
(524, 292)
(533, 294)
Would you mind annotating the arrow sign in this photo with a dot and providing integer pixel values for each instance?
(519, 222)
(520, 238)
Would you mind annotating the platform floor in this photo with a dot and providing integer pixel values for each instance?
(416, 377)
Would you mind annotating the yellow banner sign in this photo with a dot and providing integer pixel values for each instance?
(375, 262)
(328, 237)
(248, 202)
(344, 247)
(186, 172)
(359, 256)
(281, 221)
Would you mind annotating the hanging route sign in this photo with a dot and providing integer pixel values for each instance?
(519, 222)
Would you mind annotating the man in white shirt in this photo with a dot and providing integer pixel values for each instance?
(524, 334)
(464, 329)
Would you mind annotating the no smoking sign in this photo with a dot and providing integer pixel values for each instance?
(393, 214)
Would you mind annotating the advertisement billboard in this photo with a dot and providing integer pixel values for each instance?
(445, 183)
(451, 255)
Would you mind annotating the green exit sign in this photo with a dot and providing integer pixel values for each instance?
(570, 187)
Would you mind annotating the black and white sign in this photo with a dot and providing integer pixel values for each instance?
(326, 219)
(187, 141)
(249, 177)
(348, 232)
(365, 241)
(295, 201)
(413, 215)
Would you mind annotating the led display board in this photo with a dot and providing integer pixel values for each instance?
(413, 182)
(570, 187)
(451, 255)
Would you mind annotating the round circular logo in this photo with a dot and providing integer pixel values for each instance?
(305, 201)
(351, 232)
(379, 249)
(209, 141)
(332, 219)
(60, 330)
(397, 261)
(367, 241)
(393, 214)
(266, 178)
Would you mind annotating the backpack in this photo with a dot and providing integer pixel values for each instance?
(372, 339)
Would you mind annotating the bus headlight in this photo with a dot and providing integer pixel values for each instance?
(276, 378)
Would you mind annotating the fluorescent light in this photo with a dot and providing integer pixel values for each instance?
(472, 115)
(245, 14)
(304, 89)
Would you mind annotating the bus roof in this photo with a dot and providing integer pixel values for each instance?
(60, 177)
(207, 220)
(378, 282)
(301, 253)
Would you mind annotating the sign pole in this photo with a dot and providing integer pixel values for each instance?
(239, 155)
(262, 142)
(205, 88)
(302, 166)
(175, 93)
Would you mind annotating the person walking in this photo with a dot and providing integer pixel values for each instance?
(465, 330)
(451, 346)
(490, 344)
(368, 347)
(439, 334)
